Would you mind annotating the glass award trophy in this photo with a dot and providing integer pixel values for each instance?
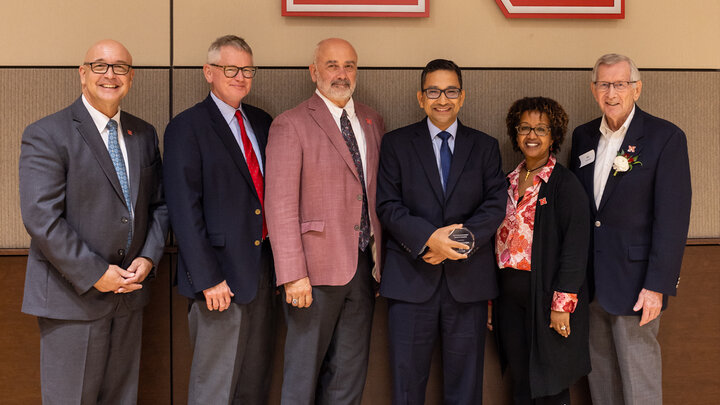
(464, 236)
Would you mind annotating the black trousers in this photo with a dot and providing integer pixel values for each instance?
(515, 327)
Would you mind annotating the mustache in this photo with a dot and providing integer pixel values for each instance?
(343, 82)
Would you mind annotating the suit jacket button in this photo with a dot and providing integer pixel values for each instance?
(356, 227)
(121, 252)
(359, 197)
(597, 224)
(124, 220)
(257, 243)
(257, 211)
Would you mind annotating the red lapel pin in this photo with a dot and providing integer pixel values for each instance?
(369, 121)
(631, 148)
(129, 132)
(543, 201)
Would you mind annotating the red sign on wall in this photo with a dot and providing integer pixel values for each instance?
(562, 8)
(355, 8)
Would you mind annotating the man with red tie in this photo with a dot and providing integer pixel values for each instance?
(214, 160)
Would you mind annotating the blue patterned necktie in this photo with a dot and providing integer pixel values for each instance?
(445, 157)
(352, 145)
(119, 163)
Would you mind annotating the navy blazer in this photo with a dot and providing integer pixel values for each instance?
(640, 228)
(214, 208)
(411, 206)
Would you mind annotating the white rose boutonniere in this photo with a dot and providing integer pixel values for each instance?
(624, 162)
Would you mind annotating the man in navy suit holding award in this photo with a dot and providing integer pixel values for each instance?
(636, 171)
(437, 176)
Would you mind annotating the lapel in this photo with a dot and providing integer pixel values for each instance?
(259, 129)
(222, 131)
(324, 119)
(424, 148)
(132, 144)
(588, 171)
(461, 153)
(85, 126)
(633, 137)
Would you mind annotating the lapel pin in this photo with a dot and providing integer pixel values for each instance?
(543, 201)
(631, 148)
(129, 132)
(369, 121)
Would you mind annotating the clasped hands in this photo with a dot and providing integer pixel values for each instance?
(441, 247)
(119, 280)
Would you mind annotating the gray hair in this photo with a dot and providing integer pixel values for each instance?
(612, 59)
(213, 54)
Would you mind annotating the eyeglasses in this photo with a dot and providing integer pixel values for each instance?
(540, 130)
(101, 68)
(231, 71)
(451, 93)
(619, 86)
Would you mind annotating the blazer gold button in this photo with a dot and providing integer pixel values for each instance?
(124, 220)
(257, 243)
(257, 211)
(597, 224)
(357, 227)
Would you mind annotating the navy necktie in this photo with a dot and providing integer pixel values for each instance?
(119, 163)
(445, 157)
(349, 135)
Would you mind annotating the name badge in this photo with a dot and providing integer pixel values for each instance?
(587, 158)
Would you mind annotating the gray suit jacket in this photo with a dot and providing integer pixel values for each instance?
(74, 210)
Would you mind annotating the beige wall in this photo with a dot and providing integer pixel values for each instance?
(657, 33)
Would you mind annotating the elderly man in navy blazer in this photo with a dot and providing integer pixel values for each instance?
(636, 171)
(435, 176)
(92, 202)
(214, 159)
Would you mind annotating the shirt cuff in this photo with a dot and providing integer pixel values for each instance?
(564, 302)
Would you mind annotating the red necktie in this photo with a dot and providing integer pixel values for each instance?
(253, 167)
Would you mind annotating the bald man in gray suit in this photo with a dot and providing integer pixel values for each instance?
(91, 200)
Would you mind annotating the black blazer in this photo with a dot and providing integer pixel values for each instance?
(640, 229)
(561, 236)
(214, 209)
(411, 206)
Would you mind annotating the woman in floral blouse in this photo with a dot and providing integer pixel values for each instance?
(541, 248)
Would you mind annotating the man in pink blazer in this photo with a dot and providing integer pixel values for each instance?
(322, 160)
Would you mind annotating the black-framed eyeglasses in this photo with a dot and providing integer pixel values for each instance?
(450, 92)
(101, 68)
(540, 130)
(231, 71)
(619, 86)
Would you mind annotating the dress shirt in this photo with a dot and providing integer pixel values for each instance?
(607, 150)
(228, 113)
(437, 142)
(336, 113)
(101, 120)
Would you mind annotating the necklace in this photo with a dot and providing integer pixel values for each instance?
(530, 171)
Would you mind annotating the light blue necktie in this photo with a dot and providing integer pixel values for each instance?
(119, 163)
(445, 157)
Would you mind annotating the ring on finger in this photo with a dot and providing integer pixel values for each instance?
(294, 301)
(563, 327)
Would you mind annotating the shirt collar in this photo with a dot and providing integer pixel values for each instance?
(543, 174)
(99, 119)
(226, 110)
(337, 111)
(608, 133)
(434, 131)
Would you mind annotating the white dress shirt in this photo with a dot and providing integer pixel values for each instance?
(357, 129)
(607, 149)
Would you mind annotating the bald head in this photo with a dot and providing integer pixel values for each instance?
(334, 70)
(105, 90)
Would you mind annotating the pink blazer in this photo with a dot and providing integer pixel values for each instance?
(313, 195)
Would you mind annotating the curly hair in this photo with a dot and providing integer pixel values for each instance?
(554, 111)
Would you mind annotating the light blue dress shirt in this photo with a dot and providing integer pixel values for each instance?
(228, 113)
(437, 142)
